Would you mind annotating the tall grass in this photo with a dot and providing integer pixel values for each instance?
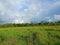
(32, 35)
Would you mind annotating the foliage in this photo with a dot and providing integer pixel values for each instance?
(30, 35)
(31, 24)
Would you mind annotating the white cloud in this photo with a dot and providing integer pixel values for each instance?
(10, 10)
(1, 6)
(33, 10)
(49, 20)
(18, 21)
(57, 17)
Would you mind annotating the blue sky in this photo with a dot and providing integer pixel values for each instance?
(22, 11)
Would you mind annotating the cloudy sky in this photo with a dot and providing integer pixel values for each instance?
(22, 11)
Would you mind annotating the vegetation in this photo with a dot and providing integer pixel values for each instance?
(43, 33)
(30, 35)
(31, 24)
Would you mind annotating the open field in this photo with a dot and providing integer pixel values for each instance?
(32, 35)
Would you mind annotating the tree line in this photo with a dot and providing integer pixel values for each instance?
(43, 23)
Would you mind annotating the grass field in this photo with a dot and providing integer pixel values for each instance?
(32, 35)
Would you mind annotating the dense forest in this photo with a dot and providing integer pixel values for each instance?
(57, 23)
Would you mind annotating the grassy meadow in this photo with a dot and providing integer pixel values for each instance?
(30, 35)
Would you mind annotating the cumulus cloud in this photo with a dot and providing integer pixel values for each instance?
(11, 9)
(57, 17)
(52, 10)
(21, 11)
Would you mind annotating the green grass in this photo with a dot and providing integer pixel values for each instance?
(32, 35)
